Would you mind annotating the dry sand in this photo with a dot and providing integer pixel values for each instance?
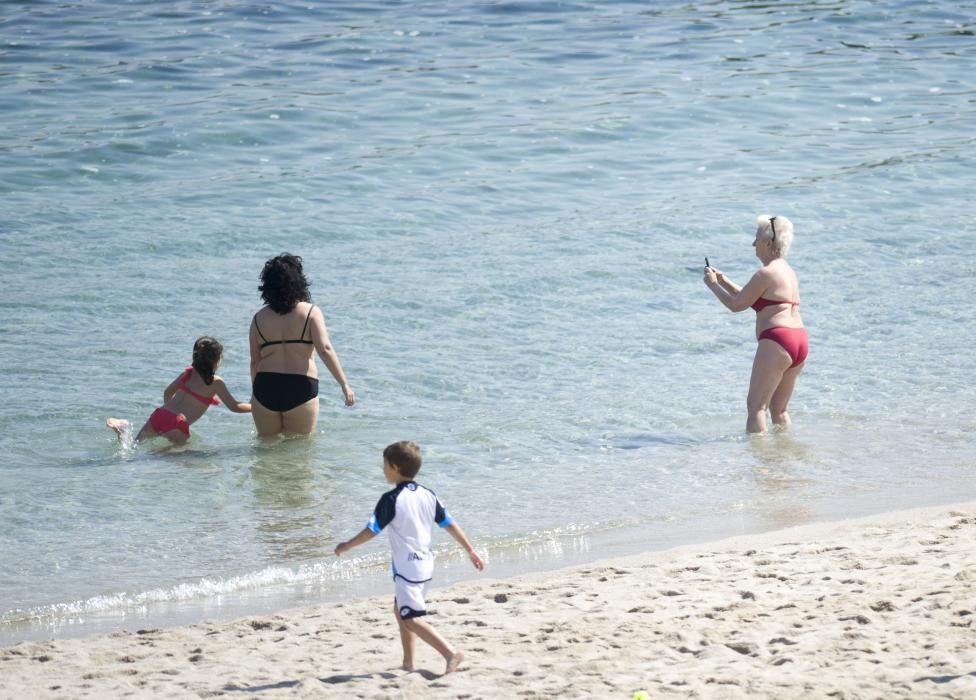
(880, 607)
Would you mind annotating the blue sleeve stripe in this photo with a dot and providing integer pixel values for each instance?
(374, 526)
(448, 520)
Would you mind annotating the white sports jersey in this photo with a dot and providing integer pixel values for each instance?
(410, 510)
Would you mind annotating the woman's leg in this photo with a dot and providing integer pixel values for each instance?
(267, 422)
(781, 397)
(768, 367)
(301, 420)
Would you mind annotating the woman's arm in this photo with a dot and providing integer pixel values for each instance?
(255, 345)
(727, 284)
(741, 298)
(320, 336)
(230, 402)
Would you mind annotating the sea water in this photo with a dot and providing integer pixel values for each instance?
(504, 209)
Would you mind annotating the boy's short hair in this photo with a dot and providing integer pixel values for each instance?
(405, 456)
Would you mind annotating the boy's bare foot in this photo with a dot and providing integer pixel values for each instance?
(409, 668)
(119, 425)
(453, 662)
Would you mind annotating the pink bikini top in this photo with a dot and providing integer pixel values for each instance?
(209, 400)
(762, 303)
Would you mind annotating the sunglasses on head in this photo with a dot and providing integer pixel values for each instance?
(773, 227)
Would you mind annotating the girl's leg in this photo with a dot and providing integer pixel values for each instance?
(407, 639)
(781, 397)
(177, 437)
(301, 420)
(121, 427)
(768, 367)
(267, 422)
(146, 432)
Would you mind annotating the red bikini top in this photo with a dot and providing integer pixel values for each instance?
(762, 303)
(209, 400)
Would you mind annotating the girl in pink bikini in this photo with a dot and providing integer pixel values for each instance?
(186, 398)
(774, 294)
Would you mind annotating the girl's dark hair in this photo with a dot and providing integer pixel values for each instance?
(206, 355)
(283, 283)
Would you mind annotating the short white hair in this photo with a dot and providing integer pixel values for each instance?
(783, 228)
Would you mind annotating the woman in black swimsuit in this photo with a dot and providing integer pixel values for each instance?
(283, 335)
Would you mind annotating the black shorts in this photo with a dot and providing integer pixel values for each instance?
(282, 392)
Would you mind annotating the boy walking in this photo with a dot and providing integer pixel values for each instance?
(410, 510)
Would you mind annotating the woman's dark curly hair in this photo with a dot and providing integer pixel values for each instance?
(283, 283)
(207, 352)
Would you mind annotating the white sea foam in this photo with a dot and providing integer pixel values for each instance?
(208, 587)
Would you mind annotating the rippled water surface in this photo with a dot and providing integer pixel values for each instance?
(503, 208)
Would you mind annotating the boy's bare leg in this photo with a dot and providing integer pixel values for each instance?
(407, 639)
(454, 662)
(430, 635)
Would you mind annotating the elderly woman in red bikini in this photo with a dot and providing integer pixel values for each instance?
(774, 294)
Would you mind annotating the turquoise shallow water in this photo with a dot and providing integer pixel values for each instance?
(503, 209)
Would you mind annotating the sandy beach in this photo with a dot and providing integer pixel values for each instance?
(879, 607)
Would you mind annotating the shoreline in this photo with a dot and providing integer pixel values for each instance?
(876, 606)
(308, 584)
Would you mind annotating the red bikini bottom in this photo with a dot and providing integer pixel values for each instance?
(163, 421)
(793, 340)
